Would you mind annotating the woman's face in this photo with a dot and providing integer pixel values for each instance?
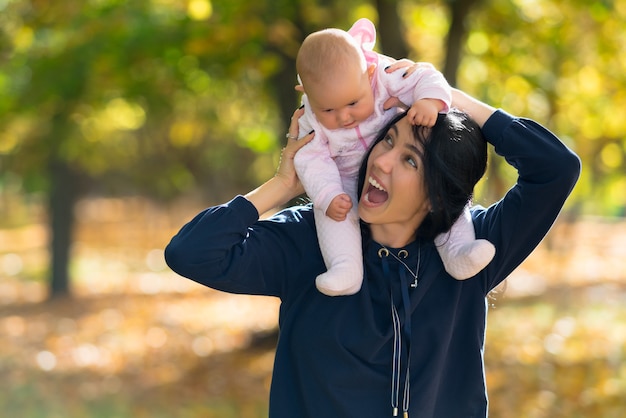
(394, 200)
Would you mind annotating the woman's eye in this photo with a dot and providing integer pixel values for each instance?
(388, 139)
(411, 161)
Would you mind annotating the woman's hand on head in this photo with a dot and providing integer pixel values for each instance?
(408, 66)
(286, 171)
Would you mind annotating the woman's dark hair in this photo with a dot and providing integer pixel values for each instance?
(454, 159)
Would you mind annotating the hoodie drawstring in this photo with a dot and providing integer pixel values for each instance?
(401, 331)
(397, 346)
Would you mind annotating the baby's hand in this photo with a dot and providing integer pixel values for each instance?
(424, 112)
(339, 207)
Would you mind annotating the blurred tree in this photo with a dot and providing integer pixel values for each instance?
(162, 97)
(559, 63)
(126, 97)
(391, 29)
(458, 10)
(153, 97)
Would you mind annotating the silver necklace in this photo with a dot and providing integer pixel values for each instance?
(384, 252)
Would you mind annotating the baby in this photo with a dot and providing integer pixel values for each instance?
(345, 87)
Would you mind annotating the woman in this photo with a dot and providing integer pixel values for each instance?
(412, 338)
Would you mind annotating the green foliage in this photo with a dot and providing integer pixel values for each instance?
(559, 63)
(130, 93)
(157, 96)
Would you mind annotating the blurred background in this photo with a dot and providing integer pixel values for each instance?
(119, 120)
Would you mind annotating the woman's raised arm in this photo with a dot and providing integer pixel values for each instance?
(476, 109)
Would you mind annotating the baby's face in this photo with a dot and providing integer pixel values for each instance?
(343, 101)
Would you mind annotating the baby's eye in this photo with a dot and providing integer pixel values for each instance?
(353, 103)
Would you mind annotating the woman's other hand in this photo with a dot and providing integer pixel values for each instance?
(284, 185)
(286, 171)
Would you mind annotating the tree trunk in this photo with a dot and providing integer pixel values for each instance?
(459, 9)
(284, 83)
(390, 27)
(62, 200)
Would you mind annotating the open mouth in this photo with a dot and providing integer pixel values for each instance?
(375, 193)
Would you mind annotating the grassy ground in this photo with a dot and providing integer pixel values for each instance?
(167, 355)
(137, 341)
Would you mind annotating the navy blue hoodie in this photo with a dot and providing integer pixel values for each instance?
(349, 356)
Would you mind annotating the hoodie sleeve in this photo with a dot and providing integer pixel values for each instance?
(547, 172)
(228, 248)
